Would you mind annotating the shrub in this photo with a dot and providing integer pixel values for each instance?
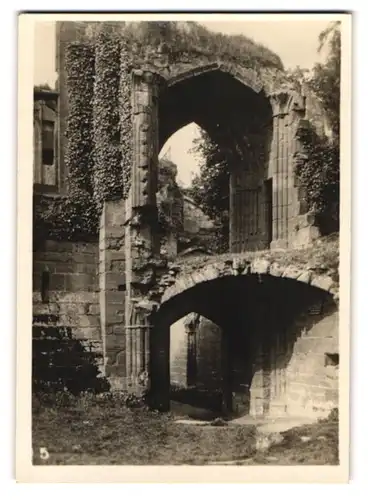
(63, 363)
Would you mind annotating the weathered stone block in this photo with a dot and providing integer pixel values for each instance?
(58, 282)
(84, 258)
(305, 277)
(260, 266)
(93, 309)
(323, 282)
(80, 282)
(276, 270)
(291, 272)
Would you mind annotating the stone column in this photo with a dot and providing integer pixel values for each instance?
(112, 290)
(280, 172)
(141, 236)
(292, 226)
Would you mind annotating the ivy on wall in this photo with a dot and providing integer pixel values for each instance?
(99, 130)
(318, 172)
(75, 216)
(125, 107)
(107, 178)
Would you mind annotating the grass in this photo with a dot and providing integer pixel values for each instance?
(193, 38)
(183, 39)
(315, 444)
(103, 431)
(90, 431)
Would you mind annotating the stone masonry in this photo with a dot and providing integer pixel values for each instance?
(133, 293)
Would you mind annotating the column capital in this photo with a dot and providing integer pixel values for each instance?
(287, 101)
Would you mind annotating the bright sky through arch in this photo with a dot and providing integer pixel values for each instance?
(294, 40)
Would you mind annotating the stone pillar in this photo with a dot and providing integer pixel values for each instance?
(112, 290)
(280, 172)
(141, 235)
(288, 109)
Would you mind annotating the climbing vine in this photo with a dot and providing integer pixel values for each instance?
(125, 115)
(98, 154)
(318, 170)
(74, 216)
(318, 166)
(108, 181)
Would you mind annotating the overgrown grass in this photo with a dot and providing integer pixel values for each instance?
(315, 444)
(101, 430)
(193, 38)
(94, 430)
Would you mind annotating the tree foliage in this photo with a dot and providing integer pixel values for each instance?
(210, 188)
(318, 165)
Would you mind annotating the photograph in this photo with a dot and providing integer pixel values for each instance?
(189, 236)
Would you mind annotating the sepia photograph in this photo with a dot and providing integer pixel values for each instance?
(189, 235)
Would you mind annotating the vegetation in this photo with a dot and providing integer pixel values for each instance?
(317, 167)
(99, 126)
(210, 188)
(102, 430)
(313, 444)
(323, 257)
(61, 362)
(191, 38)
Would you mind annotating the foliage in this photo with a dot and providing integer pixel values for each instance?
(322, 257)
(101, 430)
(210, 188)
(108, 181)
(169, 199)
(97, 160)
(191, 38)
(318, 171)
(318, 166)
(74, 216)
(63, 363)
(326, 77)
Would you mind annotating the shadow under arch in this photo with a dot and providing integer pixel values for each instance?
(216, 98)
(258, 314)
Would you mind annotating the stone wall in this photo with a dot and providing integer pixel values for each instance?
(111, 268)
(178, 354)
(300, 377)
(65, 285)
(207, 340)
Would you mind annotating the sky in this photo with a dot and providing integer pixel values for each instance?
(295, 41)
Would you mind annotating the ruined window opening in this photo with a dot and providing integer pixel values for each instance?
(48, 134)
(45, 287)
(332, 359)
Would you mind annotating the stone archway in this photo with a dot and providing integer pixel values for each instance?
(279, 324)
(162, 103)
(267, 207)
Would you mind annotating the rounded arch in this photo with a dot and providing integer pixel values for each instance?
(235, 266)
